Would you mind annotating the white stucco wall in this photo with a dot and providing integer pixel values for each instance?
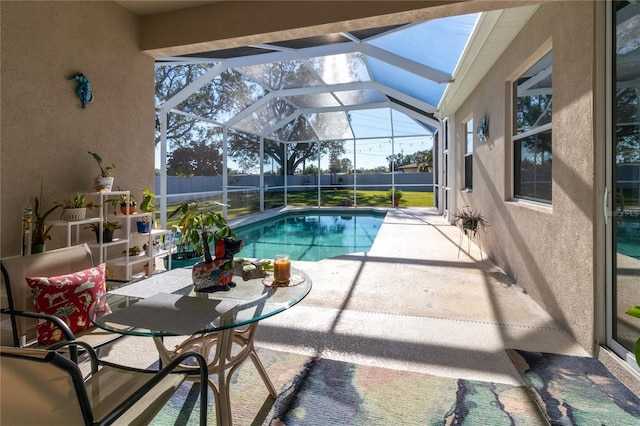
(549, 251)
(45, 135)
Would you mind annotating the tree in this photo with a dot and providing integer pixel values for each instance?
(198, 159)
(230, 93)
(395, 161)
(423, 159)
(346, 165)
(310, 170)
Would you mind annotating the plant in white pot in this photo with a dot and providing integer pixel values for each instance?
(104, 181)
(75, 208)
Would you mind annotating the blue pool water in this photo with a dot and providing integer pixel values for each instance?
(310, 236)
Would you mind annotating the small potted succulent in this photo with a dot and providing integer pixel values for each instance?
(75, 208)
(133, 251)
(104, 181)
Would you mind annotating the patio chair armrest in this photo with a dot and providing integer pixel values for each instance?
(66, 331)
(157, 378)
(73, 348)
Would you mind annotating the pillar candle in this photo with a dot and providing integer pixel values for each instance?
(282, 268)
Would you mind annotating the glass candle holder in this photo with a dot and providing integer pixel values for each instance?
(282, 268)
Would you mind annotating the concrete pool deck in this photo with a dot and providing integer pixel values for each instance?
(413, 302)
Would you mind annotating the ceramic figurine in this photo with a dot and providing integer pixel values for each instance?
(84, 88)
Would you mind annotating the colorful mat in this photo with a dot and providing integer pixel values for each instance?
(576, 390)
(317, 391)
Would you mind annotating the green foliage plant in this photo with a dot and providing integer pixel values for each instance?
(395, 194)
(148, 204)
(40, 232)
(471, 220)
(635, 312)
(200, 226)
(104, 171)
(77, 202)
(106, 225)
(123, 200)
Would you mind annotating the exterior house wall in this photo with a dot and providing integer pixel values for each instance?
(549, 251)
(45, 135)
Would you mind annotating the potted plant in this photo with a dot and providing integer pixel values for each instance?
(133, 251)
(471, 220)
(40, 230)
(75, 208)
(127, 204)
(148, 205)
(203, 228)
(149, 251)
(107, 230)
(635, 312)
(395, 195)
(104, 181)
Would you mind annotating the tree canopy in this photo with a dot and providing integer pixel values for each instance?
(222, 98)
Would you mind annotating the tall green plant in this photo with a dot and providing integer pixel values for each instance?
(40, 229)
(199, 226)
(104, 171)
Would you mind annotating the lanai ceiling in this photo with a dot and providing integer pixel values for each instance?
(422, 70)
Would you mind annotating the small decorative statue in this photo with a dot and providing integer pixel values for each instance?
(84, 88)
(217, 275)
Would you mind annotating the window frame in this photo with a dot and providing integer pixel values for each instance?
(468, 154)
(516, 154)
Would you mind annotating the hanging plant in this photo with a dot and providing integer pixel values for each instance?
(471, 220)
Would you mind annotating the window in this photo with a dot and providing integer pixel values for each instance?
(532, 155)
(468, 155)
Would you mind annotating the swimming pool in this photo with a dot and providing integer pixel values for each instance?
(310, 236)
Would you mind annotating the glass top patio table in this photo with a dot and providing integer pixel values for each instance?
(166, 304)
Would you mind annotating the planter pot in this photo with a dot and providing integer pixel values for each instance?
(37, 248)
(182, 259)
(103, 184)
(132, 208)
(396, 202)
(143, 227)
(74, 214)
(107, 236)
(146, 269)
(469, 224)
(151, 251)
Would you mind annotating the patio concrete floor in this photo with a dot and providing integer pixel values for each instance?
(413, 302)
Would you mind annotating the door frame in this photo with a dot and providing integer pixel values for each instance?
(605, 20)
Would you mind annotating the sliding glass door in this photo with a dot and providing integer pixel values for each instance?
(624, 179)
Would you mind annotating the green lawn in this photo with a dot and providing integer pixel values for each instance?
(245, 204)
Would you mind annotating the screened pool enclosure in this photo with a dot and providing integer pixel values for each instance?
(316, 121)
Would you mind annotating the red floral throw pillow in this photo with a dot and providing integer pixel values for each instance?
(68, 297)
